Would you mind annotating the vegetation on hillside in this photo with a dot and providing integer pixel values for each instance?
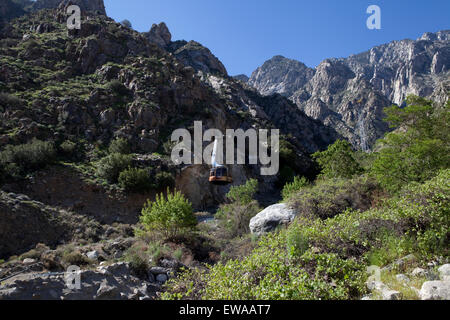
(361, 211)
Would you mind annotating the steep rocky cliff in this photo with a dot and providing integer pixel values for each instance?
(350, 93)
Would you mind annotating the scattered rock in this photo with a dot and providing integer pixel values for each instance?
(161, 278)
(403, 278)
(419, 272)
(28, 261)
(385, 291)
(93, 255)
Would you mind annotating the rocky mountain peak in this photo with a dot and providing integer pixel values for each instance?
(443, 35)
(350, 93)
(281, 75)
(160, 34)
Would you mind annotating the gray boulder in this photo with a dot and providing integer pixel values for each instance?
(444, 272)
(435, 290)
(271, 217)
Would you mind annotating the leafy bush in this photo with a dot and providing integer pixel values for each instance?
(117, 87)
(164, 179)
(235, 217)
(112, 165)
(271, 273)
(9, 100)
(243, 194)
(138, 258)
(294, 187)
(328, 198)
(119, 145)
(287, 175)
(70, 149)
(419, 150)
(338, 161)
(169, 215)
(21, 159)
(135, 180)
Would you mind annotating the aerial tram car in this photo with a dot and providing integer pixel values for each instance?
(219, 174)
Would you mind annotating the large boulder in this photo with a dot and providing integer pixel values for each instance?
(435, 290)
(271, 217)
(444, 272)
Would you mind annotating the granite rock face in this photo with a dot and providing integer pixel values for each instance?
(349, 94)
(160, 35)
(281, 75)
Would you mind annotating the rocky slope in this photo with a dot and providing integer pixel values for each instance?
(106, 81)
(349, 94)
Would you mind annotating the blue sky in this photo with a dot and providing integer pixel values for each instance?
(245, 33)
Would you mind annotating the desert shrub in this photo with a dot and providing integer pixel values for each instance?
(119, 145)
(235, 218)
(138, 258)
(70, 150)
(297, 241)
(328, 198)
(286, 175)
(169, 215)
(116, 87)
(419, 150)
(112, 165)
(338, 161)
(295, 186)
(21, 159)
(271, 273)
(74, 258)
(135, 180)
(243, 194)
(164, 179)
(9, 100)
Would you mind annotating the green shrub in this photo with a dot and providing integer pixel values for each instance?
(328, 198)
(9, 100)
(69, 149)
(135, 180)
(138, 259)
(419, 150)
(112, 165)
(21, 159)
(287, 175)
(119, 145)
(270, 272)
(75, 258)
(294, 187)
(235, 218)
(169, 215)
(338, 161)
(117, 87)
(164, 179)
(243, 194)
